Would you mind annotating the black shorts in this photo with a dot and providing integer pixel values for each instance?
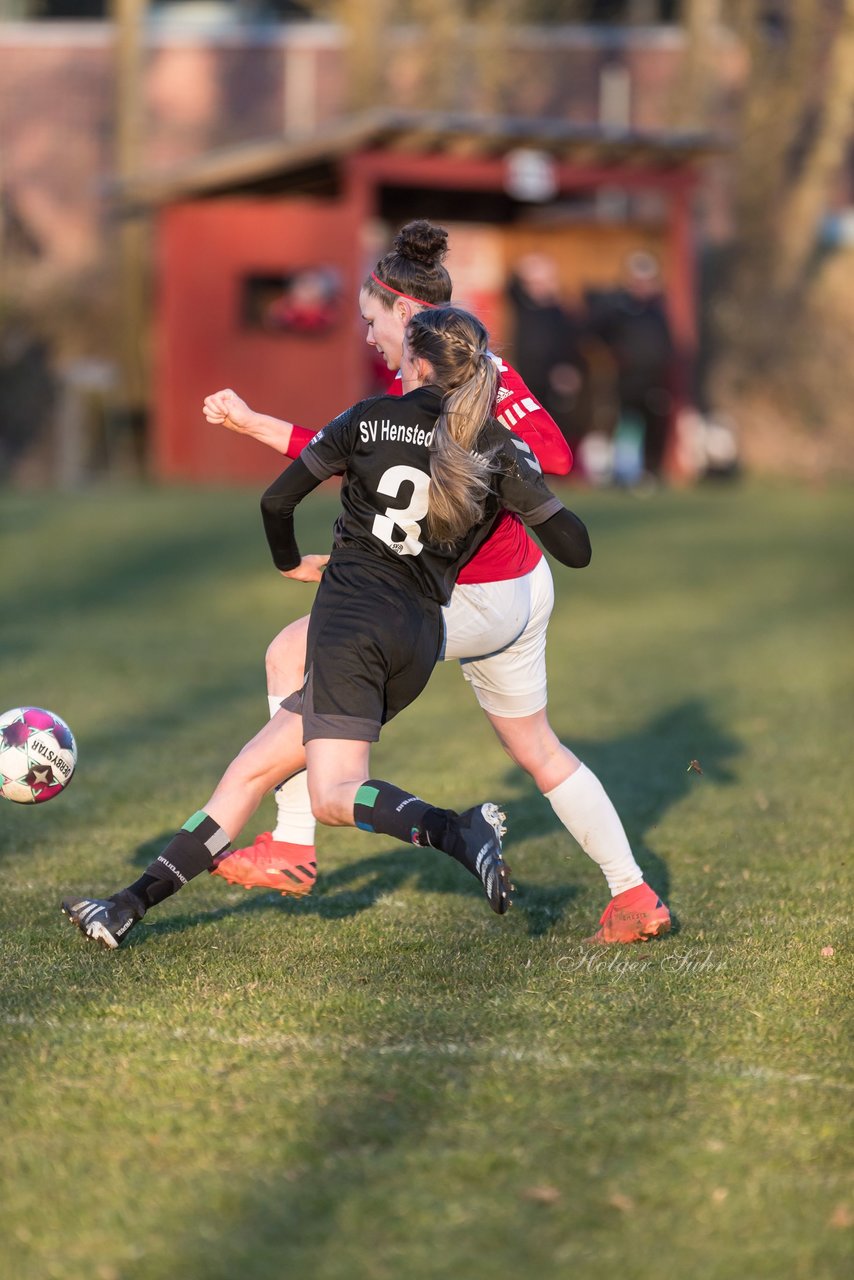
(372, 644)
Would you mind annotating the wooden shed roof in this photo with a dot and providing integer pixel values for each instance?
(310, 163)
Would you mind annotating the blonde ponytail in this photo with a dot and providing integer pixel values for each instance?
(454, 343)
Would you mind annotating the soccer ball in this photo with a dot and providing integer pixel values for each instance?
(37, 755)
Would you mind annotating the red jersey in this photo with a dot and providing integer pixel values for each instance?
(508, 552)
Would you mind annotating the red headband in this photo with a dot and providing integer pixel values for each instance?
(407, 296)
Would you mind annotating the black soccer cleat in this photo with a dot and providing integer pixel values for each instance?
(478, 848)
(101, 919)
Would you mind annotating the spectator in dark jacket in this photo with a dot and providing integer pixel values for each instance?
(546, 341)
(632, 322)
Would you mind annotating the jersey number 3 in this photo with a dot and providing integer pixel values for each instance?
(406, 518)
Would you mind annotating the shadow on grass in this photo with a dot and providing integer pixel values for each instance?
(645, 773)
(333, 899)
(127, 571)
(389, 1098)
(399, 1082)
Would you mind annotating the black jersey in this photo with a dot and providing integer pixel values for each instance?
(382, 447)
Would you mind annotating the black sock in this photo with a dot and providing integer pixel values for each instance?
(384, 808)
(186, 856)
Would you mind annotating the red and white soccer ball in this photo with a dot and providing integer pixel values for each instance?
(37, 755)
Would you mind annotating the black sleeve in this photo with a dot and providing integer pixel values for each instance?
(325, 455)
(565, 537)
(522, 489)
(520, 483)
(328, 452)
(277, 511)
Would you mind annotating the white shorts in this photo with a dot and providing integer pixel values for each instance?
(497, 632)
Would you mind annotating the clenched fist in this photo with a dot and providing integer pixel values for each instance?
(225, 408)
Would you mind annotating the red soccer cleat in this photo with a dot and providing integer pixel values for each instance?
(271, 864)
(633, 916)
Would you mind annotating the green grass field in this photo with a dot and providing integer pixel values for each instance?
(385, 1081)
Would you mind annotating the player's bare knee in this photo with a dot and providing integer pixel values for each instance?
(512, 748)
(332, 801)
(322, 797)
(285, 658)
(242, 774)
(327, 811)
(522, 758)
(280, 664)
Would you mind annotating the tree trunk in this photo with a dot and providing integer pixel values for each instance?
(790, 142)
(806, 202)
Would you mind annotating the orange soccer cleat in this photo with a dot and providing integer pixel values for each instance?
(271, 864)
(633, 916)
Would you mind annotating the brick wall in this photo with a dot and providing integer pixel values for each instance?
(57, 107)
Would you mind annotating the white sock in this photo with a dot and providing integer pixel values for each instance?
(585, 809)
(295, 822)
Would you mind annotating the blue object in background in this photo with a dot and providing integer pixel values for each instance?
(628, 449)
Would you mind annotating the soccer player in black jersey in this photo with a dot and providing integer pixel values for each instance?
(425, 476)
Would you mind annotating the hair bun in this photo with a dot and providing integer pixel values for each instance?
(421, 242)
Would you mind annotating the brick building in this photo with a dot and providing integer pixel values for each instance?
(203, 90)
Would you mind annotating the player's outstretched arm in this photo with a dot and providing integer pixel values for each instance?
(225, 408)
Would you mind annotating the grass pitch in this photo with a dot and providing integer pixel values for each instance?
(385, 1081)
